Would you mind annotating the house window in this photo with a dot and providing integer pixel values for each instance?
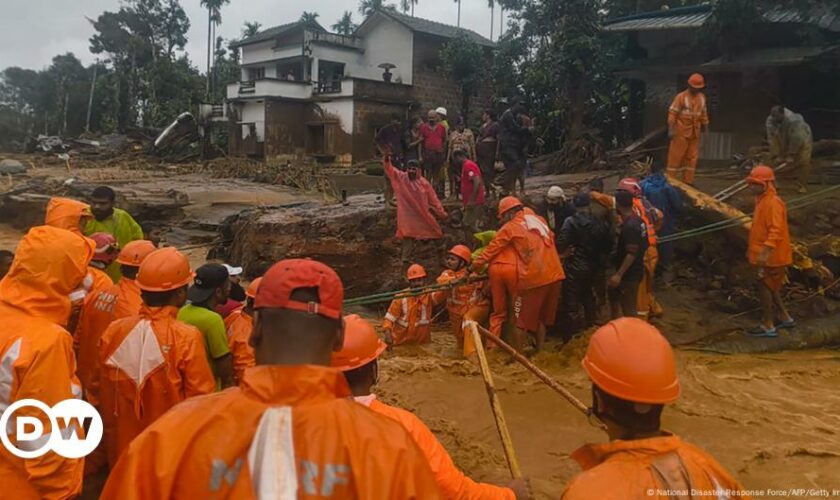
(315, 139)
(255, 74)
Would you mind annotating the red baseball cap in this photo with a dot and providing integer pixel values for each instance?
(289, 275)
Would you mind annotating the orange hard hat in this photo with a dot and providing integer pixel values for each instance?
(106, 247)
(416, 271)
(134, 252)
(761, 174)
(697, 81)
(164, 270)
(508, 203)
(252, 288)
(361, 344)
(629, 359)
(462, 252)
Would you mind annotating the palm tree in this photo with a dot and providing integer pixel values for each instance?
(213, 11)
(345, 25)
(251, 29)
(368, 7)
(405, 5)
(492, 5)
(459, 12)
(309, 17)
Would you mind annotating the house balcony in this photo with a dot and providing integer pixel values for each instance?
(334, 39)
(270, 87)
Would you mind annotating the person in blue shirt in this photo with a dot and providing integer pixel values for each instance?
(662, 195)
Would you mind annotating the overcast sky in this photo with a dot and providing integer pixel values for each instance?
(33, 31)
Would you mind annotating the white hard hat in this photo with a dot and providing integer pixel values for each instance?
(233, 270)
(441, 111)
(556, 193)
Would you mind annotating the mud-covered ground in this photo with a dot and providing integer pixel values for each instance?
(773, 420)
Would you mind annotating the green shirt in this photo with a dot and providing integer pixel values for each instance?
(212, 326)
(125, 230)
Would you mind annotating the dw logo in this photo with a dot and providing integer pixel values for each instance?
(68, 420)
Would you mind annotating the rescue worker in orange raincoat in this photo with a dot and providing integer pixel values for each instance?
(687, 120)
(465, 301)
(538, 266)
(118, 301)
(290, 429)
(151, 361)
(502, 274)
(633, 373)
(358, 359)
(239, 325)
(646, 304)
(69, 214)
(36, 354)
(409, 317)
(769, 250)
(97, 279)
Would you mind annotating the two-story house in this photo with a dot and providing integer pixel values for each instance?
(307, 92)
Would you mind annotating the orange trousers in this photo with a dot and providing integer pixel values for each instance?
(682, 157)
(646, 303)
(478, 313)
(503, 279)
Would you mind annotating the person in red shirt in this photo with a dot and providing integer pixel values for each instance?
(472, 188)
(434, 148)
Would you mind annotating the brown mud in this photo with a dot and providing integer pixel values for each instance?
(770, 411)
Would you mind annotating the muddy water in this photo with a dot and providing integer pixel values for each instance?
(772, 420)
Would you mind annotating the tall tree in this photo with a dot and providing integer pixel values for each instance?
(309, 17)
(492, 5)
(251, 28)
(459, 12)
(213, 9)
(466, 63)
(368, 7)
(345, 25)
(407, 5)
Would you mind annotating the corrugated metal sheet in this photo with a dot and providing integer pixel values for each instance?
(683, 21)
(826, 18)
(781, 56)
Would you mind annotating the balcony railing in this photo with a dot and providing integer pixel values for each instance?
(247, 87)
(327, 87)
(332, 39)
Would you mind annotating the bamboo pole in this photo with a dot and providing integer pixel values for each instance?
(495, 405)
(578, 404)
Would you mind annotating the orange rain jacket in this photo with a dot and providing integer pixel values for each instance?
(409, 318)
(119, 301)
(36, 352)
(538, 263)
(688, 114)
(65, 213)
(630, 469)
(452, 482)
(149, 363)
(460, 298)
(285, 432)
(770, 230)
(239, 326)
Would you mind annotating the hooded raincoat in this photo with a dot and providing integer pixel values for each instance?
(416, 202)
(36, 353)
(66, 213)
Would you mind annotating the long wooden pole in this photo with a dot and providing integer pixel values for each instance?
(495, 405)
(540, 374)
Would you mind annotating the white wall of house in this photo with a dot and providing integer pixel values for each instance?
(263, 51)
(387, 42)
(254, 112)
(341, 109)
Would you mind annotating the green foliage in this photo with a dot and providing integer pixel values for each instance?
(556, 56)
(251, 28)
(368, 7)
(466, 63)
(309, 17)
(345, 25)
